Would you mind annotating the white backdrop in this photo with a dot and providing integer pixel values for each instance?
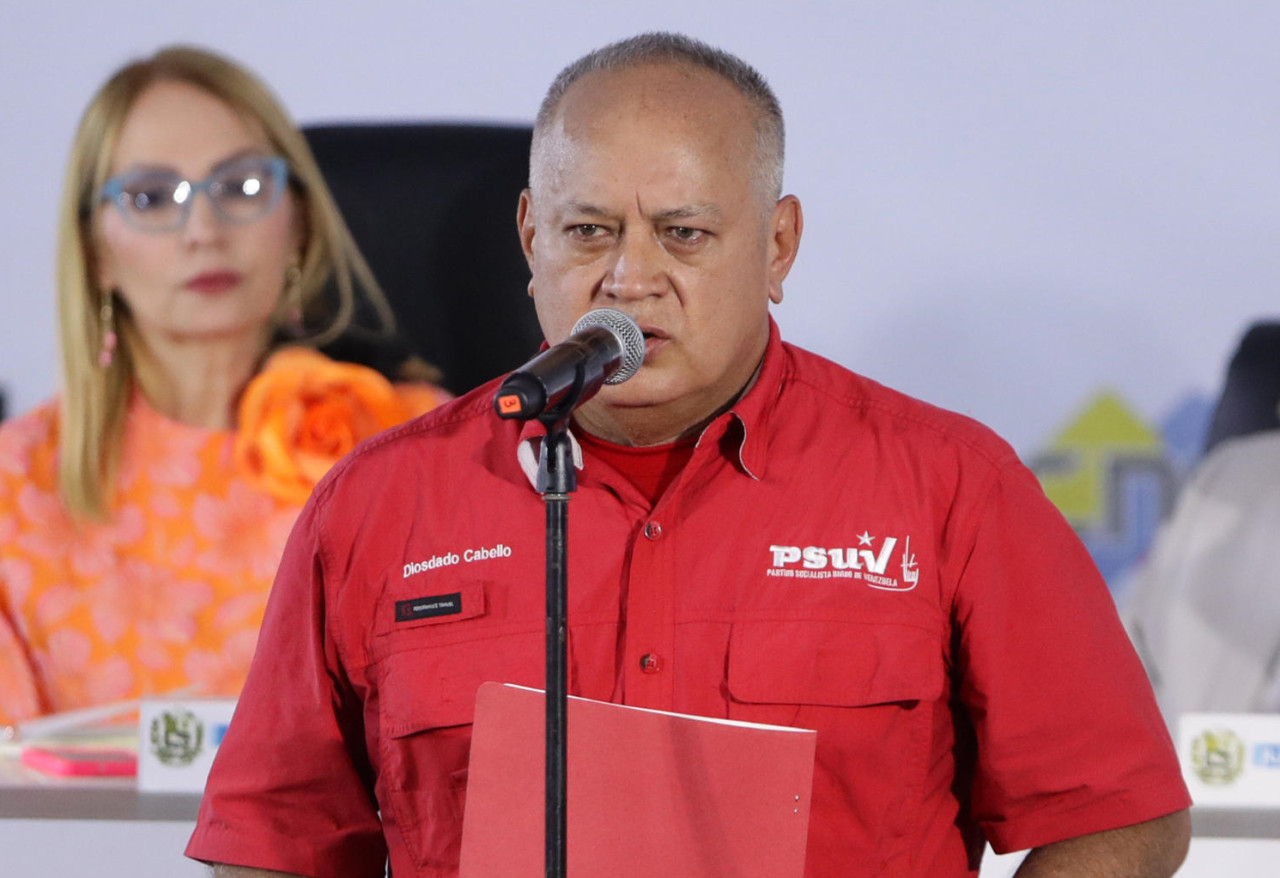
(1008, 205)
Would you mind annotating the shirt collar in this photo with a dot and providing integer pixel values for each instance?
(751, 412)
(529, 449)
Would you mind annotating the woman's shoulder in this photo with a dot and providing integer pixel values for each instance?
(35, 428)
(304, 411)
(299, 376)
(28, 442)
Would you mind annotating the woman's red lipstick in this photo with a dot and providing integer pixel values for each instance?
(212, 282)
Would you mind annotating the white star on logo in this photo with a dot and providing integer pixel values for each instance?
(864, 539)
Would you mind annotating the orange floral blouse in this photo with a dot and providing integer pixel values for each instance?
(170, 592)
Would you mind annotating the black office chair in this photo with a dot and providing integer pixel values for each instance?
(432, 207)
(1251, 393)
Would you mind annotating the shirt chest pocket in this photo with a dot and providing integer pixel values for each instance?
(427, 702)
(871, 691)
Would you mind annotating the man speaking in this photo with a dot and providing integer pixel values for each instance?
(758, 534)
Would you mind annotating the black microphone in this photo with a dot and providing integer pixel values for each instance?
(605, 347)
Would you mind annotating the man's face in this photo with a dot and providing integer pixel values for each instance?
(644, 200)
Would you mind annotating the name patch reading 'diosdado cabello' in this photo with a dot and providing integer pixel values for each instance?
(432, 605)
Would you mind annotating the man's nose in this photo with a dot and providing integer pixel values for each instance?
(638, 269)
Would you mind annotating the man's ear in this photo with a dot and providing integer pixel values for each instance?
(785, 227)
(525, 225)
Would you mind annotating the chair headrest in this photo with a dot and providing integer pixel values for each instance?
(432, 208)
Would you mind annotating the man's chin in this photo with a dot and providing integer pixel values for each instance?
(640, 391)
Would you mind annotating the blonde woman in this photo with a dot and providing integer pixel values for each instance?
(143, 510)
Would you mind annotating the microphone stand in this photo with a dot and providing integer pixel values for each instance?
(522, 393)
(556, 481)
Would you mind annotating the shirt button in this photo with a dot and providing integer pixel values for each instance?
(653, 530)
(650, 663)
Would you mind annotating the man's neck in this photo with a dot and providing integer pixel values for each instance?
(639, 426)
(642, 426)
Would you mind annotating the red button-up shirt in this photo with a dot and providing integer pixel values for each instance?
(834, 556)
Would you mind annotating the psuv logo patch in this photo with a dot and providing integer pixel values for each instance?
(874, 565)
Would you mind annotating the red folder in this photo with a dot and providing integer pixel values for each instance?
(650, 794)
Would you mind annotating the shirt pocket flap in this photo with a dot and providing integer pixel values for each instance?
(435, 687)
(834, 663)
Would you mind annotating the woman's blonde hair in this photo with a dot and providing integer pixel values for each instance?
(95, 398)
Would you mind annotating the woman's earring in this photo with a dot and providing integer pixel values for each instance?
(107, 319)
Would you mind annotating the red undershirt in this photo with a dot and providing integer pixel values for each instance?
(650, 468)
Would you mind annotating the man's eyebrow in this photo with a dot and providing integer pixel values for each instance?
(585, 208)
(670, 214)
(688, 211)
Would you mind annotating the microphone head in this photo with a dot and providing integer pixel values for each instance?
(626, 331)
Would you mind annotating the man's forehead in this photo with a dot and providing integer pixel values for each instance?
(657, 90)
(602, 177)
(669, 111)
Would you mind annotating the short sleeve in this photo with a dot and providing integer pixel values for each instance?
(1069, 738)
(291, 789)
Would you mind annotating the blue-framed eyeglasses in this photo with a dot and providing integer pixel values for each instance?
(242, 191)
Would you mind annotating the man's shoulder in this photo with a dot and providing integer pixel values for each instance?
(862, 403)
(445, 438)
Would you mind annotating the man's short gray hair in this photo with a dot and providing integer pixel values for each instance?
(665, 48)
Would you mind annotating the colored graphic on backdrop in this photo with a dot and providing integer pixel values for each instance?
(1115, 477)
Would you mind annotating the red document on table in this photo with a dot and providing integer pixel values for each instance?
(650, 794)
